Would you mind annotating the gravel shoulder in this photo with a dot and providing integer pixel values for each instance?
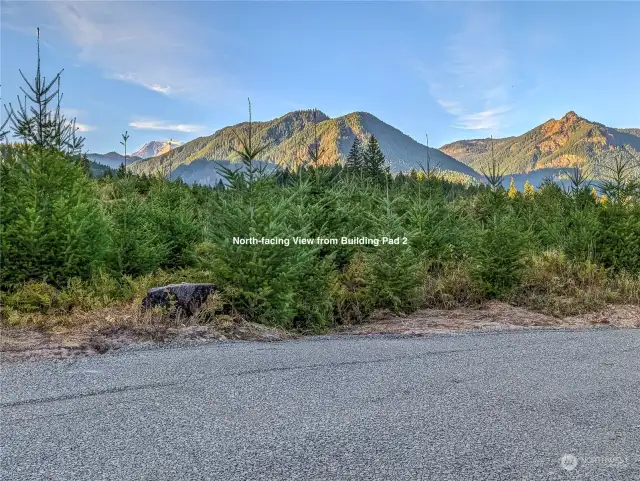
(28, 344)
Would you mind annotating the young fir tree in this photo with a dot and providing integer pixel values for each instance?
(354, 159)
(373, 161)
(493, 175)
(52, 227)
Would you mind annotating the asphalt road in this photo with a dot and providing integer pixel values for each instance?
(496, 406)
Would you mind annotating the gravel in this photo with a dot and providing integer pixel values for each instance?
(487, 406)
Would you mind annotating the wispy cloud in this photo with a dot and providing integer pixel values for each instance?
(135, 78)
(136, 44)
(165, 125)
(473, 83)
(80, 127)
(486, 120)
(30, 30)
(72, 113)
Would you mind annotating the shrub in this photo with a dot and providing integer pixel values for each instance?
(174, 212)
(354, 301)
(450, 286)
(33, 297)
(499, 253)
(137, 244)
(52, 226)
(554, 284)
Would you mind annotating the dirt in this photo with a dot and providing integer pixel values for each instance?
(20, 344)
(491, 316)
(24, 344)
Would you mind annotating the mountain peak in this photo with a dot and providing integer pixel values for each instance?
(308, 114)
(567, 142)
(570, 116)
(156, 147)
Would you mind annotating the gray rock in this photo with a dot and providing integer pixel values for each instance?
(187, 297)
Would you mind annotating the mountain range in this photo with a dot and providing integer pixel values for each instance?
(542, 152)
(113, 160)
(571, 141)
(289, 138)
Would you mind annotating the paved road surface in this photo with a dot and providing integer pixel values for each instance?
(496, 406)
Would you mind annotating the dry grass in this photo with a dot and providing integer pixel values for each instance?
(39, 321)
(34, 335)
(554, 286)
(452, 287)
(493, 315)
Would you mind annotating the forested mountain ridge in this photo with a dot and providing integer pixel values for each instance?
(571, 141)
(112, 160)
(290, 136)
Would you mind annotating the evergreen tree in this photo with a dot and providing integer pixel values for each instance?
(354, 159)
(122, 171)
(52, 227)
(374, 161)
(39, 124)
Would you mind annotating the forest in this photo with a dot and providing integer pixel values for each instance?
(73, 242)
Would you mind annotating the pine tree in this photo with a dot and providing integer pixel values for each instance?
(374, 161)
(354, 159)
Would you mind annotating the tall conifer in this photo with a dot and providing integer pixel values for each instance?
(354, 159)
(373, 160)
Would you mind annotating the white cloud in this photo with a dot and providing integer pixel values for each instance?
(486, 120)
(473, 83)
(135, 43)
(134, 78)
(72, 113)
(164, 125)
(158, 88)
(80, 127)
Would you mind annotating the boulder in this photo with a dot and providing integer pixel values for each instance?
(186, 297)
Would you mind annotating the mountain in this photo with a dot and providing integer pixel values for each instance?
(635, 132)
(291, 135)
(112, 160)
(98, 170)
(206, 172)
(571, 141)
(156, 147)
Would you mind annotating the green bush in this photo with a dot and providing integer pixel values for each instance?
(618, 240)
(137, 244)
(33, 297)
(499, 255)
(52, 225)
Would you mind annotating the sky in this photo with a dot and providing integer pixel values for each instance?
(452, 70)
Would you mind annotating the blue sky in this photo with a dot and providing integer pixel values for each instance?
(453, 70)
